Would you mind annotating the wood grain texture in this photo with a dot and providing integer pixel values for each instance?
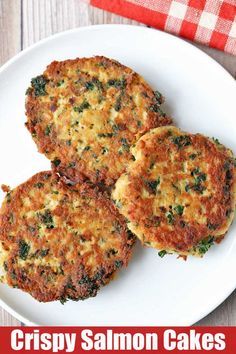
(45, 17)
(10, 29)
(24, 22)
(10, 44)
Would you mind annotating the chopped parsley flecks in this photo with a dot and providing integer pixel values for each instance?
(125, 144)
(98, 84)
(74, 124)
(199, 188)
(118, 264)
(192, 156)
(156, 108)
(117, 105)
(117, 226)
(152, 185)
(44, 253)
(179, 209)
(139, 123)
(39, 85)
(84, 105)
(182, 224)
(130, 235)
(158, 97)
(102, 64)
(99, 275)
(47, 130)
(72, 164)
(119, 84)
(116, 127)
(204, 245)
(212, 226)
(170, 217)
(28, 91)
(187, 187)
(181, 141)
(89, 85)
(162, 253)
(47, 219)
(228, 175)
(155, 221)
(63, 300)
(84, 280)
(47, 176)
(95, 83)
(39, 185)
(152, 164)
(216, 141)
(195, 171)
(14, 277)
(69, 285)
(60, 83)
(31, 229)
(105, 135)
(111, 252)
(56, 162)
(199, 178)
(177, 188)
(227, 165)
(104, 150)
(90, 283)
(8, 197)
(23, 249)
(55, 192)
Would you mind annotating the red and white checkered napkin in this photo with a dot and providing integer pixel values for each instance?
(210, 22)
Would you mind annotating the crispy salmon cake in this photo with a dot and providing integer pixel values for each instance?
(59, 242)
(179, 194)
(84, 115)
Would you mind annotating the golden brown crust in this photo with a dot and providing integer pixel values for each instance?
(60, 242)
(179, 195)
(84, 115)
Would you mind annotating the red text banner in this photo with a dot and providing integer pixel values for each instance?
(118, 340)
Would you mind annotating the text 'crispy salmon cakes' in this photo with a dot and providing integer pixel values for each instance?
(84, 115)
(179, 194)
(59, 242)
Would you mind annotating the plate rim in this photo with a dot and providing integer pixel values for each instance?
(141, 28)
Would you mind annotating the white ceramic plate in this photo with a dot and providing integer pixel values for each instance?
(201, 95)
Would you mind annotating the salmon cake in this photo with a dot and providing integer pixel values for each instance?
(85, 114)
(179, 194)
(59, 242)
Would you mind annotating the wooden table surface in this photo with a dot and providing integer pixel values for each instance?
(24, 22)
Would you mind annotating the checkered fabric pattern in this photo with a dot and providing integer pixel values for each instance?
(210, 22)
